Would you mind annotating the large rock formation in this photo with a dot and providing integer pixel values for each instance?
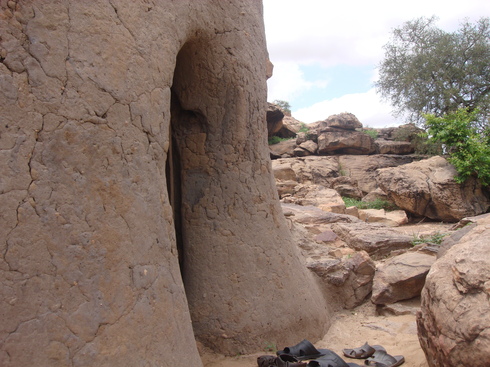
(454, 322)
(134, 155)
(427, 188)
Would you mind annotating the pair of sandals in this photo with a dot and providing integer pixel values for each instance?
(375, 355)
(294, 356)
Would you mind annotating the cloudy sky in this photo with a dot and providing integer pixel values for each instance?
(325, 53)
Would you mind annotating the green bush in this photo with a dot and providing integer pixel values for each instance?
(303, 128)
(371, 132)
(435, 239)
(468, 149)
(276, 139)
(376, 204)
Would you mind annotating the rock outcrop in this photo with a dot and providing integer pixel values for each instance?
(376, 239)
(427, 188)
(401, 277)
(138, 204)
(454, 322)
(274, 118)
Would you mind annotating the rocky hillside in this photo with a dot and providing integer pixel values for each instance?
(320, 163)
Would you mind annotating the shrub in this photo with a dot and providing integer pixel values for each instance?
(468, 149)
(303, 128)
(276, 139)
(376, 204)
(371, 132)
(435, 239)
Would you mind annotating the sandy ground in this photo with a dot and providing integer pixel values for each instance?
(350, 329)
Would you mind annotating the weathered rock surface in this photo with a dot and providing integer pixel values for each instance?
(283, 149)
(307, 170)
(364, 168)
(344, 121)
(132, 156)
(393, 218)
(313, 215)
(274, 116)
(342, 141)
(323, 198)
(427, 188)
(353, 275)
(401, 277)
(290, 127)
(454, 322)
(393, 147)
(359, 172)
(347, 186)
(376, 239)
(308, 147)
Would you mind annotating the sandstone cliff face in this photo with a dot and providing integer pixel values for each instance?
(133, 151)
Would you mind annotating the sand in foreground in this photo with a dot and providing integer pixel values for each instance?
(350, 329)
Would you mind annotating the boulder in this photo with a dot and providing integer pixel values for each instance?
(324, 198)
(311, 169)
(345, 142)
(454, 322)
(309, 146)
(352, 275)
(346, 186)
(344, 121)
(427, 188)
(138, 207)
(392, 218)
(393, 147)
(377, 194)
(376, 239)
(401, 277)
(283, 149)
(308, 215)
(363, 168)
(290, 127)
(274, 116)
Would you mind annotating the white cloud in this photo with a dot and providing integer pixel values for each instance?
(289, 81)
(366, 106)
(350, 32)
(329, 34)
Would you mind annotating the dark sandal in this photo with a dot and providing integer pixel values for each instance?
(382, 359)
(362, 352)
(280, 361)
(301, 351)
(330, 359)
(266, 361)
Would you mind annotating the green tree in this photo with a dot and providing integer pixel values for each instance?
(428, 70)
(468, 149)
(286, 107)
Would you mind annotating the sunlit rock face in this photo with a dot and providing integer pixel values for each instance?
(138, 206)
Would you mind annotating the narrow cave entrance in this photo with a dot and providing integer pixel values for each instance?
(185, 178)
(173, 175)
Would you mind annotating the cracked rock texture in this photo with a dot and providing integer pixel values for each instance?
(134, 161)
(454, 322)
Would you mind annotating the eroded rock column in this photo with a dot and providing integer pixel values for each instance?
(89, 263)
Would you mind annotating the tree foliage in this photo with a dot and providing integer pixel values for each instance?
(286, 107)
(468, 149)
(428, 70)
